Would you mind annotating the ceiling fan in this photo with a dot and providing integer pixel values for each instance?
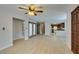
(32, 9)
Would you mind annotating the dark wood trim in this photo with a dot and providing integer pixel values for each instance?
(75, 10)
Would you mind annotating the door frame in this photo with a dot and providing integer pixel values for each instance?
(32, 29)
(14, 18)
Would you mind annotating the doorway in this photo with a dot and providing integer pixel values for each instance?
(18, 29)
(41, 28)
(32, 29)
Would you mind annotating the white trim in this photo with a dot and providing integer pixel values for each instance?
(6, 46)
(26, 38)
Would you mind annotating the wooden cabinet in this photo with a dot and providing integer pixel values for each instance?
(75, 30)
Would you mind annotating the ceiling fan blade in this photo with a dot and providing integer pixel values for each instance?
(22, 8)
(39, 11)
(26, 13)
(35, 14)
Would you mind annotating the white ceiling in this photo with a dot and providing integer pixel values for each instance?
(52, 12)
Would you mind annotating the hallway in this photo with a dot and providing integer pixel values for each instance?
(39, 44)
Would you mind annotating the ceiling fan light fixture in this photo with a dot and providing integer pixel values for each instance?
(32, 9)
(31, 13)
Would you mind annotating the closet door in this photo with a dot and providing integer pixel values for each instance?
(74, 46)
(75, 30)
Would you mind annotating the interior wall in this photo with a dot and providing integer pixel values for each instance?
(6, 15)
(18, 29)
(7, 12)
(5, 35)
(68, 24)
(47, 28)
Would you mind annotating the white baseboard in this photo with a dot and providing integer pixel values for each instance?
(18, 38)
(6, 46)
